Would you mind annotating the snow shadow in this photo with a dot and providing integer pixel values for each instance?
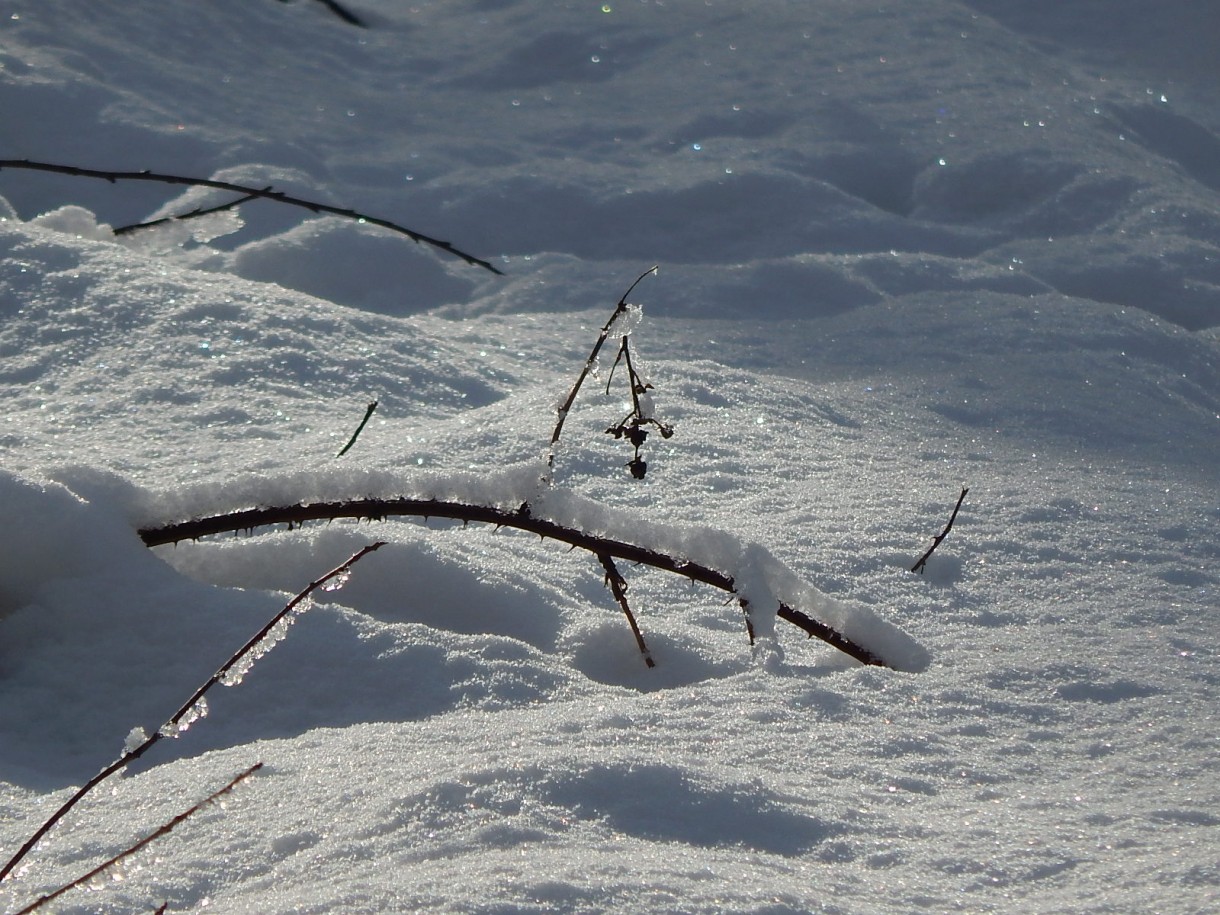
(693, 812)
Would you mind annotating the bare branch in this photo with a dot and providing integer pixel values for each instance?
(267, 193)
(923, 560)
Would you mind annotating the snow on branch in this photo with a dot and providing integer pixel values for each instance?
(266, 193)
(765, 586)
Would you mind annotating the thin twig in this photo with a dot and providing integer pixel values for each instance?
(164, 830)
(267, 193)
(562, 414)
(520, 519)
(344, 14)
(618, 587)
(198, 211)
(923, 560)
(194, 708)
(360, 428)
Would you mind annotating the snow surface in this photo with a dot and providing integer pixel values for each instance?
(902, 248)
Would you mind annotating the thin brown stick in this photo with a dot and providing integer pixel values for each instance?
(923, 560)
(194, 707)
(267, 193)
(164, 830)
(520, 519)
(618, 587)
(360, 428)
(566, 406)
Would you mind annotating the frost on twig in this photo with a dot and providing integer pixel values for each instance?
(564, 528)
(164, 830)
(196, 707)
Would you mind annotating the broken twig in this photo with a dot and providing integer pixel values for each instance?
(923, 560)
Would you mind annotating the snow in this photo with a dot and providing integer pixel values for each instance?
(903, 250)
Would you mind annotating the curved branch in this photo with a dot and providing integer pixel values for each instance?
(520, 519)
(265, 192)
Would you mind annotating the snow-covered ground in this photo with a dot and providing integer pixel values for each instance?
(903, 249)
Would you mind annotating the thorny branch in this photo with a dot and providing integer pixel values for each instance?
(266, 193)
(520, 519)
(923, 560)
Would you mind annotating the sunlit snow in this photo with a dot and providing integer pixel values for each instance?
(902, 250)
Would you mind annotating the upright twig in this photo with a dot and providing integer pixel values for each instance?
(198, 211)
(632, 425)
(360, 428)
(164, 830)
(266, 193)
(566, 406)
(618, 587)
(195, 707)
(923, 560)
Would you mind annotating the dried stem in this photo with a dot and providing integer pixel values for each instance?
(360, 428)
(923, 560)
(566, 406)
(520, 519)
(190, 710)
(618, 587)
(164, 830)
(266, 192)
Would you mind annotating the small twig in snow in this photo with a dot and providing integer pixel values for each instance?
(346, 15)
(360, 428)
(923, 560)
(164, 830)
